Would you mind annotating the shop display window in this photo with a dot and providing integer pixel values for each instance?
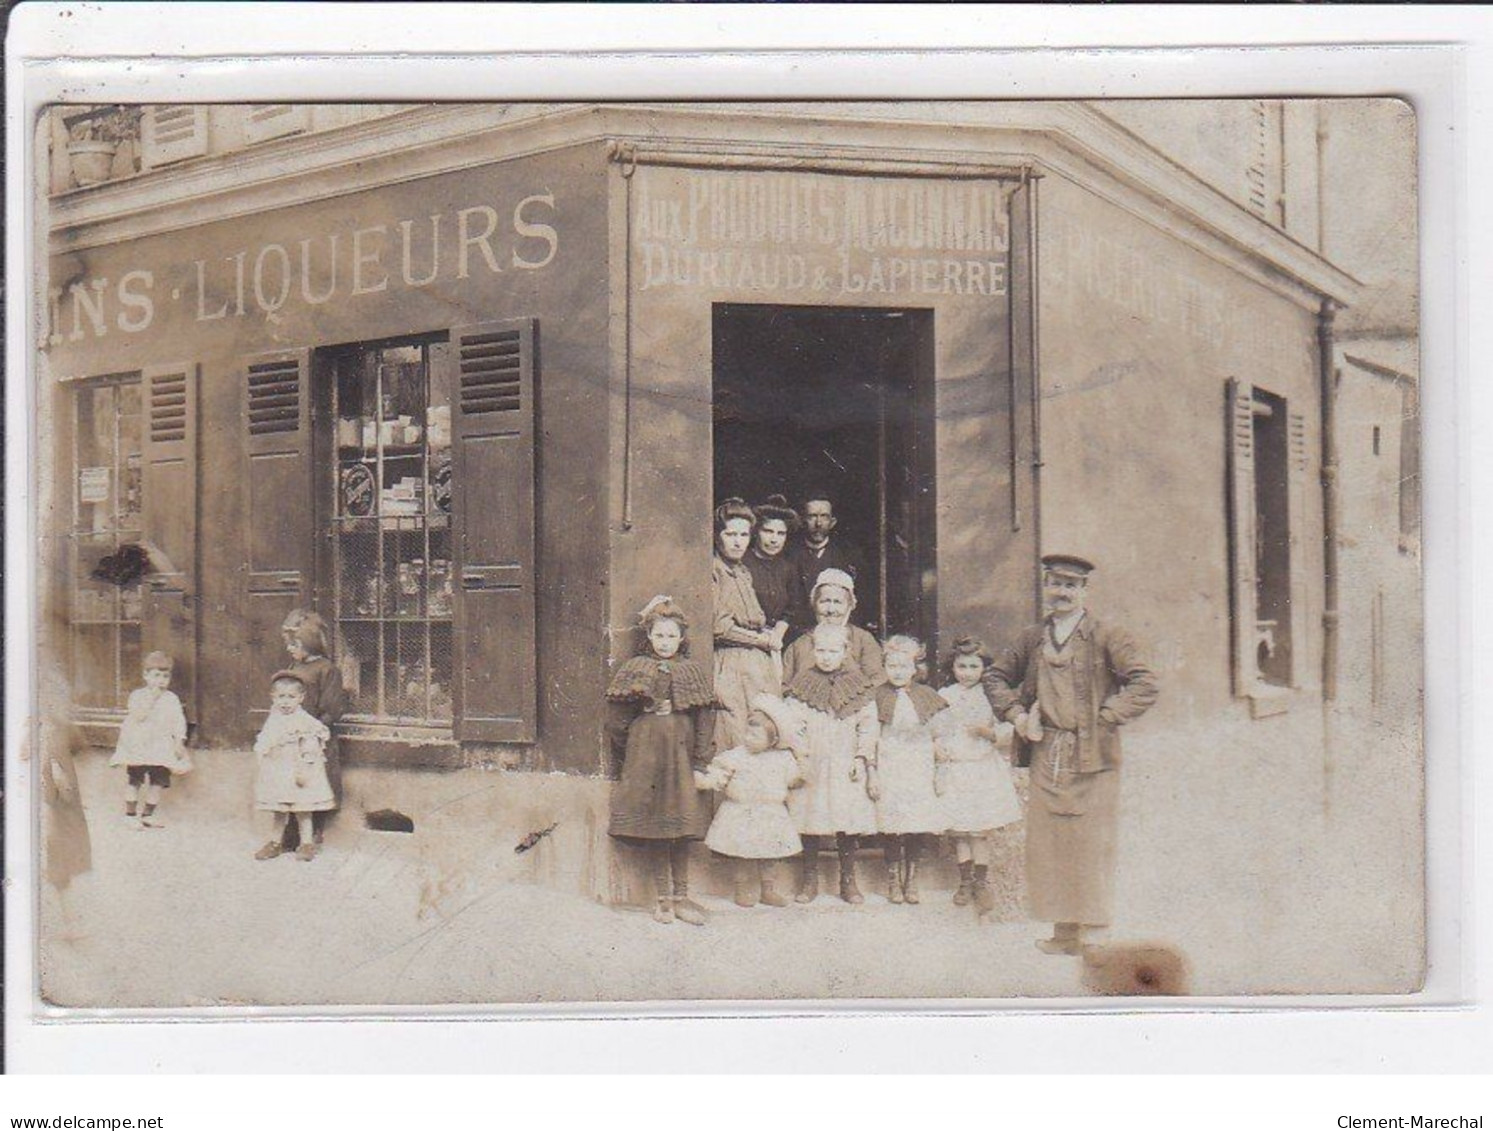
(390, 571)
(104, 617)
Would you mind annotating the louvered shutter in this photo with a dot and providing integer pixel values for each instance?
(172, 133)
(1297, 493)
(493, 429)
(1263, 187)
(169, 521)
(276, 119)
(279, 524)
(1244, 613)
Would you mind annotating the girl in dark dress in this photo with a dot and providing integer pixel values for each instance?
(659, 723)
(776, 578)
(307, 641)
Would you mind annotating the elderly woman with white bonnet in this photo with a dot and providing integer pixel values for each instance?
(833, 600)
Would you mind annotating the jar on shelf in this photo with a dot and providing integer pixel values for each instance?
(440, 587)
(410, 577)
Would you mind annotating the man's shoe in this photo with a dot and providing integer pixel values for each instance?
(1071, 947)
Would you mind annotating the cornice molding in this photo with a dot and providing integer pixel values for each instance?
(1375, 369)
(1071, 139)
(408, 145)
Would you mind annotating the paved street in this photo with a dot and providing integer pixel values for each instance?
(186, 916)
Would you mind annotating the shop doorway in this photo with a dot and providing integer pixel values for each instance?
(838, 400)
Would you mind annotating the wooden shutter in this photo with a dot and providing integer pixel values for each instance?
(278, 519)
(172, 133)
(493, 428)
(1244, 613)
(1297, 496)
(1263, 184)
(276, 119)
(169, 476)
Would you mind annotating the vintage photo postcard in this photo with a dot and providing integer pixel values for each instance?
(588, 553)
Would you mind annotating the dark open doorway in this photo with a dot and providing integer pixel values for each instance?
(839, 400)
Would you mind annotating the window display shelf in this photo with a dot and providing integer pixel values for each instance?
(390, 451)
(434, 620)
(407, 523)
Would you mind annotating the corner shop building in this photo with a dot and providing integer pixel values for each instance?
(473, 397)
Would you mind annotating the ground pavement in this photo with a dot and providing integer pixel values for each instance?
(184, 916)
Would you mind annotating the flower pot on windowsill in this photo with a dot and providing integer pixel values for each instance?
(92, 161)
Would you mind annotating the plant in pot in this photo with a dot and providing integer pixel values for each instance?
(94, 139)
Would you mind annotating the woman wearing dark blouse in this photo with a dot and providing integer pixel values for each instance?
(775, 577)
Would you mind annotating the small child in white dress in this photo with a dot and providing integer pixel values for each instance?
(752, 824)
(974, 775)
(292, 771)
(152, 743)
(908, 813)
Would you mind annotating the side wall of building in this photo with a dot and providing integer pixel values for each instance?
(1225, 820)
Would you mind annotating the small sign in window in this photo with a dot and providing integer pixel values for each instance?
(93, 484)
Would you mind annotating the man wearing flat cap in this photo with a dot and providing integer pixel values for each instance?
(1069, 684)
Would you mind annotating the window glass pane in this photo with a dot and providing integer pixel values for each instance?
(107, 494)
(130, 662)
(94, 601)
(392, 572)
(94, 660)
(358, 652)
(94, 483)
(127, 497)
(441, 651)
(129, 603)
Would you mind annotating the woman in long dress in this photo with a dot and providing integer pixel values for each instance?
(744, 643)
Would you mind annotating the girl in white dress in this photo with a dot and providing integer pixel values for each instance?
(974, 775)
(152, 743)
(837, 702)
(752, 825)
(291, 777)
(907, 808)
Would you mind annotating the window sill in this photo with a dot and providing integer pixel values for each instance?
(1267, 700)
(392, 747)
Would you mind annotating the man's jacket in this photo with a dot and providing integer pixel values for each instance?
(1113, 684)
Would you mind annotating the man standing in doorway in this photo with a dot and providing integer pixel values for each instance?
(1068, 685)
(816, 551)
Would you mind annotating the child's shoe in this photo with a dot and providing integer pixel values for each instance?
(910, 881)
(966, 884)
(771, 897)
(808, 878)
(984, 897)
(849, 892)
(746, 895)
(686, 910)
(1066, 939)
(152, 821)
(270, 850)
(307, 851)
(664, 911)
(893, 884)
(1060, 946)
